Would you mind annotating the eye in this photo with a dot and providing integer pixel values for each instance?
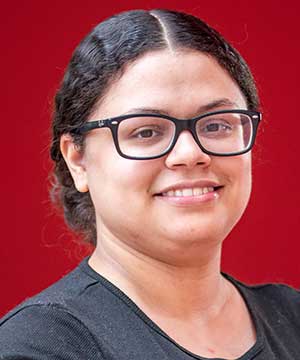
(148, 132)
(217, 127)
(145, 130)
(145, 133)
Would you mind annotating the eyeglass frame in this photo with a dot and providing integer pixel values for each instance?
(180, 125)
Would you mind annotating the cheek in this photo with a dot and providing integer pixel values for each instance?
(120, 190)
(241, 178)
(106, 169)
(235, 172)
(245, 173)
(115, 181)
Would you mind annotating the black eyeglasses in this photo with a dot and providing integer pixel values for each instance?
(150, 136)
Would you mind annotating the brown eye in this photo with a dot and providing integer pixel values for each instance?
(212, 127)
(216, 127)
(147, 133)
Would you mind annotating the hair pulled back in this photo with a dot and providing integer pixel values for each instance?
(99, 59)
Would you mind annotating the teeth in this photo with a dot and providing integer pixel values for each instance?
(178, 193)
(198, 191)
(189, 192)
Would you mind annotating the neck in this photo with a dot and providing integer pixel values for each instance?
(158, 287)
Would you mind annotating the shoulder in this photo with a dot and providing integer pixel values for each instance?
(271, 297)
(45, 331)
(48, 324)
(272, 291)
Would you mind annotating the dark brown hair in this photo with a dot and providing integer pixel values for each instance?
(99, 59)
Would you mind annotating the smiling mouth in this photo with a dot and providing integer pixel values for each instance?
(188, 192)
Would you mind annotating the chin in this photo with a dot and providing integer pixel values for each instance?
(187, 250)
(194, 235)
(200, 229)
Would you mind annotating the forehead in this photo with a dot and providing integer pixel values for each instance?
(177, 83)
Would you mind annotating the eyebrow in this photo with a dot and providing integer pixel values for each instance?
(202, 109)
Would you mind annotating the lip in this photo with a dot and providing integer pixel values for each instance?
(190, 184)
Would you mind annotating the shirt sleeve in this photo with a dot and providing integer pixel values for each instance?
(39, 332)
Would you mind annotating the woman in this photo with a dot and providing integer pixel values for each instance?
(152, 132)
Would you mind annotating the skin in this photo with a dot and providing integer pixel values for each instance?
(142, 234)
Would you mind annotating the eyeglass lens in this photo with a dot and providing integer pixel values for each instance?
(223, 133)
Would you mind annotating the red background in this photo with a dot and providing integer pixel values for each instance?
(37, 39)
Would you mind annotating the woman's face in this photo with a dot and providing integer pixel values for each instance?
(127, 194)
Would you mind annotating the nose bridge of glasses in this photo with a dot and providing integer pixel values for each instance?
(186, 149)
(186, 124)
(183, 125)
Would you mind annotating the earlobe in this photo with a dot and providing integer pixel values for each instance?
(74, 160)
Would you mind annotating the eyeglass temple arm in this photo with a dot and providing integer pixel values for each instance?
(91, 125)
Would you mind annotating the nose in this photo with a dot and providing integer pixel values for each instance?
(187, 152)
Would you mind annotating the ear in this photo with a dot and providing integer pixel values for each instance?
(74, 160)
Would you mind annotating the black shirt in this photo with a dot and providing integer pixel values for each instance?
(84, 316)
